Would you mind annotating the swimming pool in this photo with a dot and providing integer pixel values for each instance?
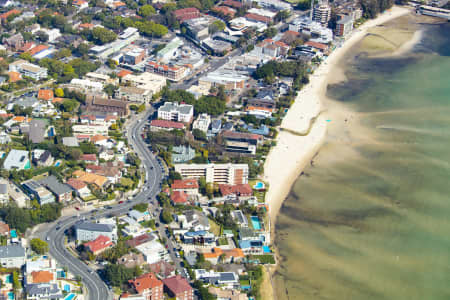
(57, 164)
(13, 233)
(259, 185)
(10, 295)
(70, 296)
(255, 222)
(266, 249)
(8, 278)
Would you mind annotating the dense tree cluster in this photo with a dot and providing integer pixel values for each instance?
(294, 69)
(23, 218)
(39, 246)
(371, 8)
(118, 274)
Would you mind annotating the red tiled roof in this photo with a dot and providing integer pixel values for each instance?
(143, 238)
(224, 10)
(76, 184)
(145, 282)
(179, 197)
(100, 243)
(233, 3)
(177, 284)
(238, 189)
(257, 18)
(37, 49)
(167, 124)
(89, 157)
(124, 73)
(14, 76)
(185, 184)
(241, 135)
(78, 2)
(8, 13)
(42, 276)
(86, 26)
(316, 45)
(45, 94)
(27, 46)
(183, 11)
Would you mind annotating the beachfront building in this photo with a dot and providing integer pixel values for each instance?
(344, 26)
(322, 13)
(216, 173)
(315, 30)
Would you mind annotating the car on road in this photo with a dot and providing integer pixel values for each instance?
(121, 201)
(77, 208)
(48, 238)
(57, 228)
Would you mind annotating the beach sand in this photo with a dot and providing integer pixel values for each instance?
(294, 151)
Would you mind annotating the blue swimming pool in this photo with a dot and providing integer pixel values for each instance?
(70, 297)
(255, 222)
(259, 185)
(266, 249)
(8, 278)
(13, 233)
(57, 164)
(10, 295)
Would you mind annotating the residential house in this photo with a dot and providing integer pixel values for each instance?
(4, 229)
(43, 276)
(163, 269)
(189, 186)
(222, 294)
(141, 239)
(219, 255)
(87, 231)
(38, 191)
(89, 158)
(40, 291)
(17, 159)
(228, 280)
(45, 94)
(14, 42)
(139, 216)
(37, 131)
(201, 237)
(42, 158)
(131, 260)
(149, 286)
(80, 4)
(90, 129)
(239, 190)
(62, 191)
(178, 287)
(186, 14)
(70, 141)
(194, 220)
(240, 219)
(241, 142)
(179, 198)
(98, 245)
(12, 256)
(81, 189)
(202, 122)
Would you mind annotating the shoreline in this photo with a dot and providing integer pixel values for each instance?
(293, 151)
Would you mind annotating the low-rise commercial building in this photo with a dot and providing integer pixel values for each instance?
(172, 111)
(28, 69)
(38, 191)
(87, 231)
(12, 256)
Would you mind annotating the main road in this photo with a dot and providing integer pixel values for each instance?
(55, 233)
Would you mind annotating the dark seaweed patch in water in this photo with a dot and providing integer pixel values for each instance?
(436, 40)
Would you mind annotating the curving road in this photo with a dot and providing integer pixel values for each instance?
(55, 233)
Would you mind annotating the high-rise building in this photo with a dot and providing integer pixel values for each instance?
(322, 13)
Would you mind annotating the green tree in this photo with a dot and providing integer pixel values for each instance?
(142, 207)
(39, 246)
(146, 11)
(103, 36)
(199, 135)
(166, 216)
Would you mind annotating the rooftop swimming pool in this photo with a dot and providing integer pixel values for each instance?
(259, 185)
(255, 222)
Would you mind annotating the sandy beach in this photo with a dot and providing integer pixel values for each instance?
(294, 151)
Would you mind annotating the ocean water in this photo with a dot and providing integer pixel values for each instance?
(370, 218)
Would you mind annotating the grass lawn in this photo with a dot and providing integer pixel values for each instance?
(244, 282)
(223, 241)
(264, 259)
(215, 228)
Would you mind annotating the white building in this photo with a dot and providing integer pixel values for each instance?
(217, 173)
(133, 94)
(53, 34)
(202, 122)
(28, 69)
(87, 231)
(12, 256)
(153, 252)
(90, 129)
(87, 85)
(314, 29)
(17, 159)
(173, 111)
(322, 13)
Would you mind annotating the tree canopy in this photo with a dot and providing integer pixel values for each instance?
(39, 246)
